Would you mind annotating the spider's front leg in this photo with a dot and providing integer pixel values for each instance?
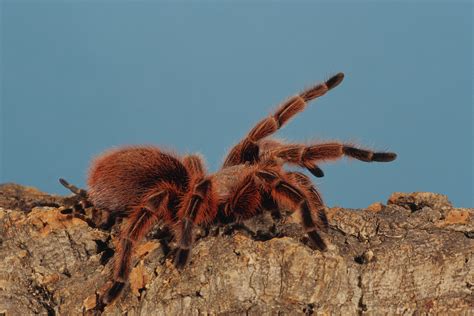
(288, 153)
(243, 202)
(317, 204)
(309, 155)
(286, 189)
(248, 149)
(264, 190)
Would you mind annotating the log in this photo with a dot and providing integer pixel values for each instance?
(412, 255)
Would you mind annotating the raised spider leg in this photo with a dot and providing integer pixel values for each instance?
(291, 191)
(304, 156)
(269, 148)
(247, 150)
(140, 222)
(315, 171)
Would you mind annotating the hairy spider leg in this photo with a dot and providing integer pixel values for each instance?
(269, 146)
(247, 150)
(287, 190)
(103, 218)
(244, 202)
(199, 206)
(265, 188)
(73, 188)
(317, 204)
(307, 155)
(141, 220)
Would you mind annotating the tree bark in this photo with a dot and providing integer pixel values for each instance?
(413, 255)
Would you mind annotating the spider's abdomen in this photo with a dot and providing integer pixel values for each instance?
(119, 178)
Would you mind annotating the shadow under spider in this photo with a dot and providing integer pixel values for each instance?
(258, 235)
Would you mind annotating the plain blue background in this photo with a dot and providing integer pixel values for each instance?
(79, 77)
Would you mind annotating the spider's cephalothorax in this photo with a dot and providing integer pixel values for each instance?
(147, 185)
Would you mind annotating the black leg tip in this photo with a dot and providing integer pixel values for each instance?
(384, 157)
(317, 240)
(316, 171)
(181, 258)
(64, 182)
(334, 81)
(112, 293)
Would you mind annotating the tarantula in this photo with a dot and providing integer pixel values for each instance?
(148, 185)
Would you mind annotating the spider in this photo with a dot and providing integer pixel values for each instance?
(147, 185)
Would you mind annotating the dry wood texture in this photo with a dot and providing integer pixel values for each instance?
(413, 255)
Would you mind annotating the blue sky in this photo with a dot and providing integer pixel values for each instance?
(79, 77)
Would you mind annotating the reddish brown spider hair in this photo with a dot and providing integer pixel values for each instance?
(147, 185)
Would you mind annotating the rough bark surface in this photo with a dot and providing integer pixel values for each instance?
(413, 255)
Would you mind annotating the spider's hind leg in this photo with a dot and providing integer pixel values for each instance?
(73, 188)
(76, 204)
(79, 201)
(80, 207)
